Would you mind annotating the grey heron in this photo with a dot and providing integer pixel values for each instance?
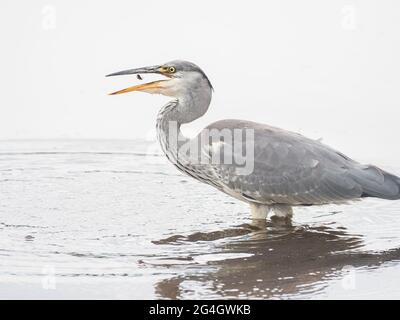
(287, 169)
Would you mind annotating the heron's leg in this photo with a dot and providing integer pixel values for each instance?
(259, 211)
(282, 212)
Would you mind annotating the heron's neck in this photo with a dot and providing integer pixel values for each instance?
(169, 132)
(184, 109)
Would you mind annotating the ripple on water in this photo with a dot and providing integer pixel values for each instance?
(113, 217)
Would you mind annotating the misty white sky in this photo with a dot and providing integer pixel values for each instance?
(326, 69)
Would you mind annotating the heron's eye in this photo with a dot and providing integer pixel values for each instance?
(171, 69)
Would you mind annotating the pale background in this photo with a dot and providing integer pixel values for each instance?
(327, 69)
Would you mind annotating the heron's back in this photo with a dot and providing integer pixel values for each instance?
(289, 168)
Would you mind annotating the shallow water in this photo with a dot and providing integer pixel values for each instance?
(113, 219)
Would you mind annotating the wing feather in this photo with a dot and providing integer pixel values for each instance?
(289, 168)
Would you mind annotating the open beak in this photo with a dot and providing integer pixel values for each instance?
(151, 87)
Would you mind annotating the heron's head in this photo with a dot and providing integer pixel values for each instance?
(182, 79)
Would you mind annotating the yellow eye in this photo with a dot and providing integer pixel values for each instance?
(171, 69)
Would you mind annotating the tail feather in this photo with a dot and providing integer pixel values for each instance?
(378, 183)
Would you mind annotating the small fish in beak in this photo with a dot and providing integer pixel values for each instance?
(157, 87)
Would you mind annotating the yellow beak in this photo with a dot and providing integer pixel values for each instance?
(151, 87)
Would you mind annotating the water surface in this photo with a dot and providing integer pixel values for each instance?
(113, 219)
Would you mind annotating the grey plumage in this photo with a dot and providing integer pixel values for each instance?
(292, 169)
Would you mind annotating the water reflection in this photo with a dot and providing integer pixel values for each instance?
(281, 261)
